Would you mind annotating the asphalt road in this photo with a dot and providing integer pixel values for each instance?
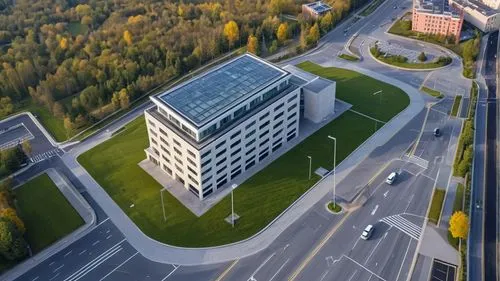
(491, 196)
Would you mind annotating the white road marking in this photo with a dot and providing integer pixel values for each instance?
(356, 243)
(409, 202)
(82, 252)
(54, 271)
(109, 236)
(260, 266)
(373, 251)
(95, 262)
(403, 262)
(36, 278)
(96, 242)
(352, 276)
(377, 92)
(354, 261)
(404, 225)
(172, 272)
(109, 273)
(324, 275)
(286, 246)
(65, 255)
(374, 210)
(102, 222)
(279, 269)
(50, 264)
(386, 193)
(54, 277)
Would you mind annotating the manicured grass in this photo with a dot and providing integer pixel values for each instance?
(46, 213)
(457, 206)
(359, 90)
(432, 92)
(258, 200)
(348, 57)
(456, 105)
(436, 205)
(409, 65)
(334, 208)
(371, 7)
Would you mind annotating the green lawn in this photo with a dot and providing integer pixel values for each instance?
(432, 92)
(359, 90)
(456, 105)
(77, 28)
(46, 213)
(436, 205)
(348, 57)
(371, 7)
(258, 200)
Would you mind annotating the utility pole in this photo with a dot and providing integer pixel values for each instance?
(334, 170)
(310, 163)
(163, 204)
(233, 187)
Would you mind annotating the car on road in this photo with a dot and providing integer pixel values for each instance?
(367, 233)
(437, 132)
(391, 178)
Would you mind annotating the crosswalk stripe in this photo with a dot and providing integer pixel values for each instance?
(403, 225)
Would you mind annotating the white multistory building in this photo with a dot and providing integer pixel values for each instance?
(208, 130)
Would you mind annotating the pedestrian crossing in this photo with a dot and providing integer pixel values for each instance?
(404, 225)
(43, 156)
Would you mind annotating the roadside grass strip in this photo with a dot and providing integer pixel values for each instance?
(456, 105)
(114, 165)
(432, 92)
(436, 205)
(348, 57)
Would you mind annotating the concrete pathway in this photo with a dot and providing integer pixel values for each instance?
(160, 252)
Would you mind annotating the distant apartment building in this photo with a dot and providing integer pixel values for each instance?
(483, 16)
(437, 17)
(493, 4)
(207, 131)
(315, 10)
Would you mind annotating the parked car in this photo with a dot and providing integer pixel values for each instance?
(367, 233)
(437, 132)
(391, 178)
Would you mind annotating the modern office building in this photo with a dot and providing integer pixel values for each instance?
(315, 10)
(479, 14)
(210, 129)
(437, 17)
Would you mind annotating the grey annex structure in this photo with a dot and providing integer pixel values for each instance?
(208, 130)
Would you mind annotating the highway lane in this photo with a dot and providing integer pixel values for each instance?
(491, 192)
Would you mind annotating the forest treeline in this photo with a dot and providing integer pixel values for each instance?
(83, 60)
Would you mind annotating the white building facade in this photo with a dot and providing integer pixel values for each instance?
(478, 13)
(207, 131)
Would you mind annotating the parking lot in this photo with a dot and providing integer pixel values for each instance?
(12, 136)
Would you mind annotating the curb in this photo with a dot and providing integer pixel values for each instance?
(37, 123)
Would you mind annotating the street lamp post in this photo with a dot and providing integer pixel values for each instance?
(310, 163)
(233, 187)
(163, 204)
(334, 169)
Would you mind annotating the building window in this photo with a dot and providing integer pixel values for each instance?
(235, 143)
(191, 153)
(292, 123)
(250, 165)
(225, 120)
(263, 134)
(220, 161)
(208, 131)
(250, 159)
(220, 153)
(278, 124)
(264, 125)
(235, 160)
(177, 151)
(193, 179)
(176, 142)
(192, 171)
(250, 143)
(291, 116)
(276, 147)
(255, 102)
(165, 158)
(220, 170)
(264, 116)
(235, 152)
(151, 123)
(178, 160)
(239, 111)
(153, 133)
(205, 154)
(277, 133)
(250, 124)
(263, 142)
(235, 174)
(263, 156)
(279, 106)
(206, 162)
(220, 144)
(250, 151)
(154, 141)
(250, 134)
(236, 134)
(206, 171)
(292, 107)
(179, 168)
(278, 115)
(222, 182)
(290, 137)
(208, 192)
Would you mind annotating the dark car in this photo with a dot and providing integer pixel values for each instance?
(437, 132)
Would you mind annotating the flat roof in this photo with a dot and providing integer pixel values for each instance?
(310, 81)
(319, 7)
(476, 6)
(437, 7)
(212, 93)
(318, 84)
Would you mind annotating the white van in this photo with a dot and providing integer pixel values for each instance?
(391, 178)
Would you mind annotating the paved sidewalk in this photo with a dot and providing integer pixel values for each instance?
(160, 252)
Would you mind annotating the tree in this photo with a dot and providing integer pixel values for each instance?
(26, 145)
(422, 57)
(115, 100)
(253, 45)
(127, 36)
(282, 33)
(124, 99)
(83, 9)
(6, 106)
(314, 34)
(11, 214)
(459, 225)
(12, 244)
(326, 22)
(63, 44)
(231, 32)
(69, 126)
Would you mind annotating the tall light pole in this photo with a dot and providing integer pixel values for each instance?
(233, 187)
(163, 204)
(334, 169)
(310, 163)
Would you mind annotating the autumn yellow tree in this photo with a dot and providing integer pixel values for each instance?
(63, 44)
(11, 214)
(282, 33)
(326, 22)
(253, 45)
(231, 32)
(314, 34)
(459, 225)
(124, 99)
(127, 36)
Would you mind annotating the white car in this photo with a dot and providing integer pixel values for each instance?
(391, 178)
(367, 233)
